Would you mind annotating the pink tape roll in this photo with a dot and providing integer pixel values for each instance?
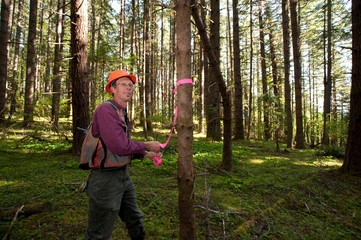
(157, 160)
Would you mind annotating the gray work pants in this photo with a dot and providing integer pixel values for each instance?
(111, 194)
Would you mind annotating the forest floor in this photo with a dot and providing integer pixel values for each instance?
(291, 194)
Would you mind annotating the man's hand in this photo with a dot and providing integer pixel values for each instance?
(150, 155)
(153, 146)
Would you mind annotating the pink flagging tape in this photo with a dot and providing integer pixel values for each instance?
(171, 131)
(157, 160)
(183, 81)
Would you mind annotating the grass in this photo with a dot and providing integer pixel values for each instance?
(294, 194)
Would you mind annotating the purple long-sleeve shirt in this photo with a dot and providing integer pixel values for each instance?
(107, 125)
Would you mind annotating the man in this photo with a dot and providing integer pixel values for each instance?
(110, 190)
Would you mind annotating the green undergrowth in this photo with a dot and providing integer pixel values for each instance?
(290, 194)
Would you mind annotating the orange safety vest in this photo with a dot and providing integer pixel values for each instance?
(94, 153)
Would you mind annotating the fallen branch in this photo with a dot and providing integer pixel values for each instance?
(27, 210)
(219, 212)
(12, 222)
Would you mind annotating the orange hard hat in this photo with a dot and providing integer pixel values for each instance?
(116, 75)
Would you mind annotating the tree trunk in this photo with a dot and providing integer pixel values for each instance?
(300, 141)
(250, 99)
(238, 100)
(212, 92)
(57, 64)
(163, 66)
(205, 67)
(229, 48)
(14, 84)
(121, 33)
(286, 53)
(352, 163)
(328, 81)
(48, 54)
(132, 60)
(79, 71)
(31, 64)
(4, 52)
(265, 98)
(147, 72)
(275, 76)
(226, 96)
(92, 73)
(187, 229)
(335, 134)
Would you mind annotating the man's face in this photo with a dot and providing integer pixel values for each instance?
(123, 89)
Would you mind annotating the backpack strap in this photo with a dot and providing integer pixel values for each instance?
(121, 115)
(105, 154)
(119, 111)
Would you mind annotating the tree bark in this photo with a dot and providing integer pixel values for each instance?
(92, 73)
(238, 100)
(14, 84)
(57, 63)
(131, 113)
(4, 52)
(352, 163)
(205, 75)
(300, 141)
(265, 98)
(187, 229)
(147, 71)
(79, 71)
(121, 33)
(327, 81)
(212, 92)
(250, 99)
(275, 77)
(286, 54)
(47, 83)
(31, 65)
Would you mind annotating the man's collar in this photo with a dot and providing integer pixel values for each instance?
(118, 105)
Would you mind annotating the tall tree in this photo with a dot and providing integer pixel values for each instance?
(4, 51)
(212, 92)
(48, 53)
(265, 98)
(147, 72)
(92, 60)
(250, 98)
(352, 162)
(121, 34)
(31, 64)
(328, 79)
(275, 74)
(287, 86)
(79, 71)
(205, 64)
(14, 83)
(238, 99)
(132, 58)
(300, 141)
(58, 60)
(187, 230)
